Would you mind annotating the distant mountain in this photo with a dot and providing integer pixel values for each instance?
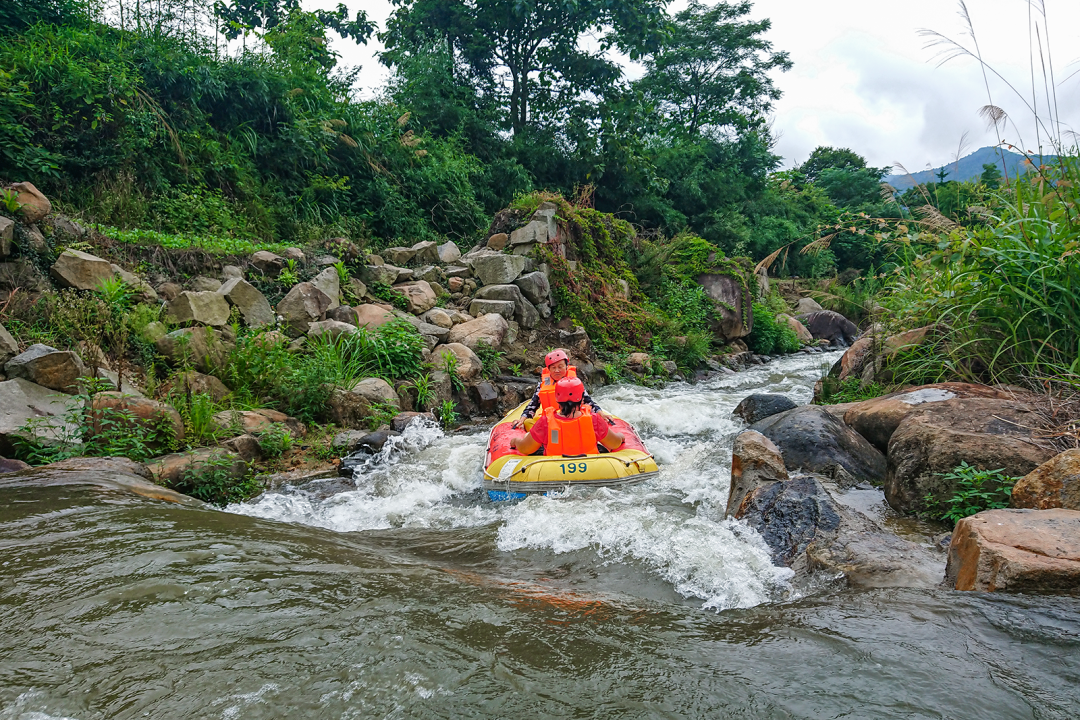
(968, 168)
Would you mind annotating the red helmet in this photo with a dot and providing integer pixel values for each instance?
(569, 390)
(554, 356)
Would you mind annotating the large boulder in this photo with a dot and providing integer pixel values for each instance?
(534, 232)
(759, 406)
(253, 306)
(48, 367)
(1016, 551)
(807, 529)
(22, 402)
(877, 419)
(734, 317)
(267, 262)
(399, 255)
(304, 305)
(468, 366)
(329, 282)
(79, 270)
(419, 295)
(1054, 484)
(535, 287)
(203, 308)
(524, 311)
(205, 349)
(33, 205)
(496, 268)
(162, 420)
(438, 316)
(173, 469)
(331, 329)
(381, 274)
(812, 439)
(755, 463)
(805, 306)
(830, 326)
(988, 434)
(449, 253)
(854, 360)
(491, 328)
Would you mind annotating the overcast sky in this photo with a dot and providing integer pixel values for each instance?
(863, 79)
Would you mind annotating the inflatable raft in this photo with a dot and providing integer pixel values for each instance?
(509, 475)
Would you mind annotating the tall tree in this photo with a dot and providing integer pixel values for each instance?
(531, 51)
(713, 70)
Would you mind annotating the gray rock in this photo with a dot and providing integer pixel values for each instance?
(21, 402)
(812, 439)
(805, 306)
(79, 270)
(331, 328)
(204, 348)
(384, 274)
(7, 234)
(205, 308)
(330, 283)
(48, 367)
(425, 251)
(325, 260)
(449, 253)
(376, 390)
(491, 329)
(458, 271)
(253, 305)
(533, 233)
(511, 293)
(205, 284)
(732, 302)
(497, 268)
(295, 254)
(438, 316)
(399, 255)
(526, 315)
(755, 463)
(484, 307)
(8, 347)
(467, 366)
(831, 326)
(229, 272)
(535, 287)
(435, 331)
(761, 405)
(304, 305)
(429, 273)
(267, 262)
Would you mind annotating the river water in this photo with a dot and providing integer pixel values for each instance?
(409, 595)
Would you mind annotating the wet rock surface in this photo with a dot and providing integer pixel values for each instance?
(760, 406)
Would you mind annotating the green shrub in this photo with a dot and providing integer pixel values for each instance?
(275, 441)
(976, 490)
(769, 337)
(212, 481)
(447, 414)
(834, 392)
(489, 359)
(197, 410)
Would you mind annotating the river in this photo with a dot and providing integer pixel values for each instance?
(409, 595)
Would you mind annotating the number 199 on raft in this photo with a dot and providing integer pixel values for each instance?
(572, 467)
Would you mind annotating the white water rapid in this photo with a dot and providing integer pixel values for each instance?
(671, 527)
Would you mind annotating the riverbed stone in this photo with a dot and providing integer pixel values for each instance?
(9, 348)
(80, 270)
(329, 282)
(398, 255)
(46, 366)
(425, 251)
(796, 327)
(331, 329)
(468, 365)
(806, 305)
(304, 305)
(812, 439)
(491, 328)
(267, 262)
(196, 383)
(1054, 484)
(1016, 550)
(381, 274)
(733, 316)
(201, 283)
(203, 308)
(376, 390)
(438, 316)
(534, 286)
(986, 433)
(372, 316)
(257, 421)
(252, 304)
(759, 406)
(830, 326)
(174, 468)
(755, 463)
(505, 308)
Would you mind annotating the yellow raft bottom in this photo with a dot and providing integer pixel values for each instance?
(515, 475)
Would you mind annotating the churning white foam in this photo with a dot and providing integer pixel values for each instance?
(672, 525)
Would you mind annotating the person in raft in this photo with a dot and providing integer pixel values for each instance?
(571, 430)
(558, 367)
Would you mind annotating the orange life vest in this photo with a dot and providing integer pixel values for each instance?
(547, 388)
(570, 437)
